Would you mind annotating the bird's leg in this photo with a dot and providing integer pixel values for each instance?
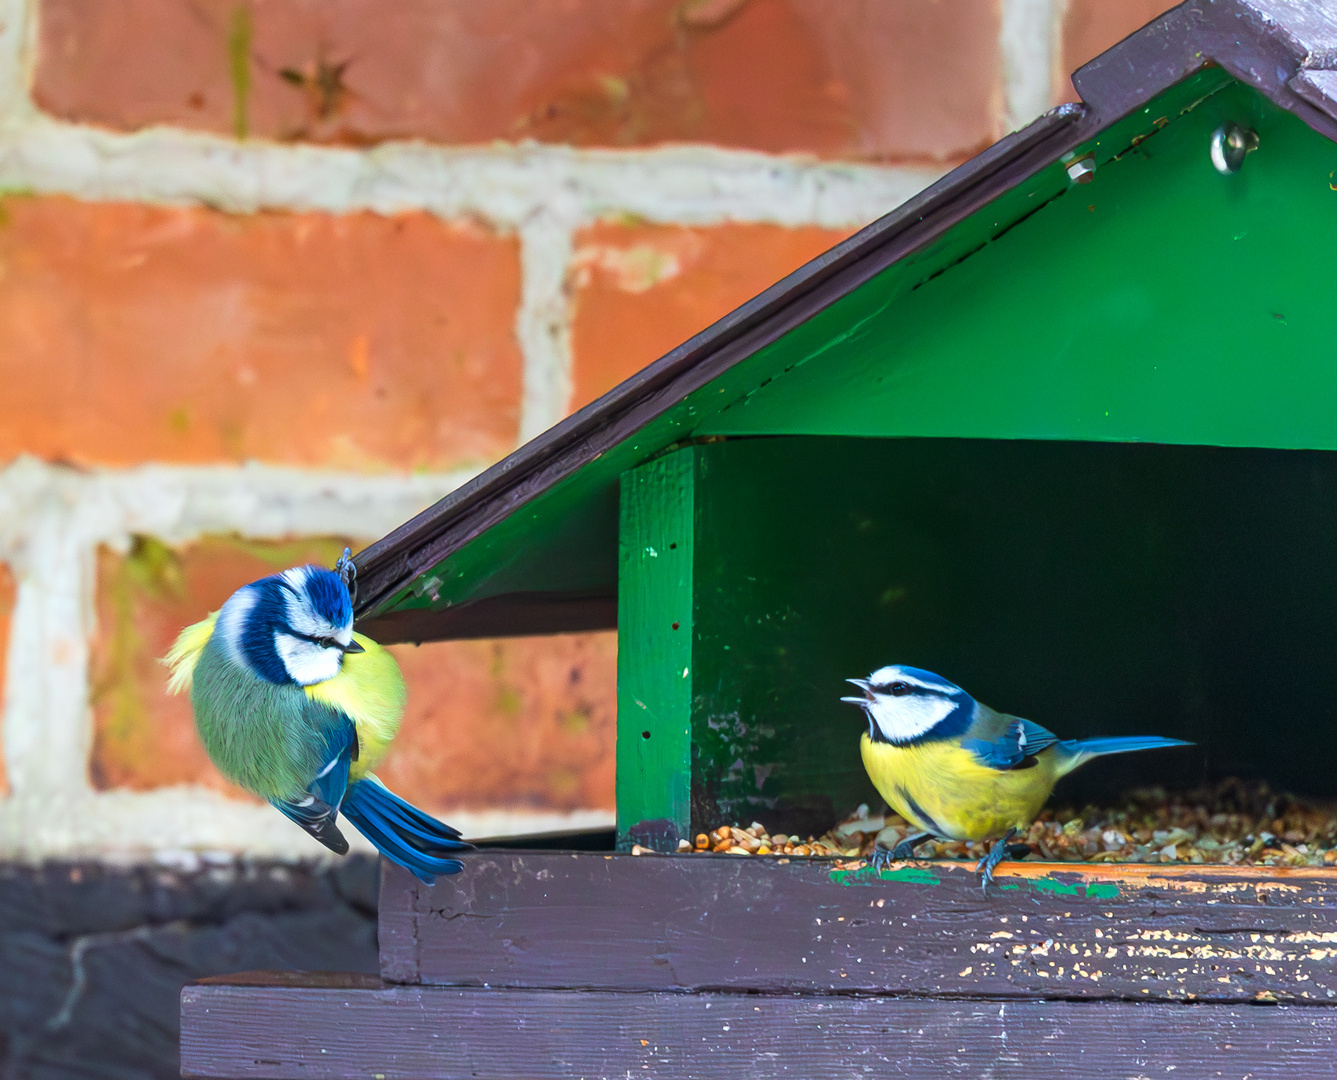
(997, 854)
(901, 852)
(906, 848)
(881, 857)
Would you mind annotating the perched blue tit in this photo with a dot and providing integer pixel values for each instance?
(295, 707)
(958, 770)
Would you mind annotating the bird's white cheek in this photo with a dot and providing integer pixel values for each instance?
(307, 662)
(905, 718)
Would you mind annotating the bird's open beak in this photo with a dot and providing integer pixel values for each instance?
(352, 646)
(862, 684)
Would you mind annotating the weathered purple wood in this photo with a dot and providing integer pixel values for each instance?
(433, 1033)
(558, 919)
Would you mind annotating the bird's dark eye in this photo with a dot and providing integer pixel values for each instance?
(899, 689)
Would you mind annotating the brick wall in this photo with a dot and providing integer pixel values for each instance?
(274, 276)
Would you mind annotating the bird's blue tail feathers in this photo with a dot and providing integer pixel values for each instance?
(1078, 751)
(401, 832)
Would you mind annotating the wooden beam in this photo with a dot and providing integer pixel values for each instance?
(699, 922)
(654, 656)
(327, 1032)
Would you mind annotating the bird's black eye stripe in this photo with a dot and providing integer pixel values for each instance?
(895, 689)
(323, 642)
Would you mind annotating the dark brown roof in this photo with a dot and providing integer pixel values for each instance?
(1285, 49)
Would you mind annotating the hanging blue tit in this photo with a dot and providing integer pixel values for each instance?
(295, 707)
(956, 769)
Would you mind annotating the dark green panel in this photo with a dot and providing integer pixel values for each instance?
(565, 543)
(1094, 588)
(1162, 302)
(654, 657)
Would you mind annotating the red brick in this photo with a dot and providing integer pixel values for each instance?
(135, 332)
(525, 723)
(642, 289)
(861, 78)
(1092, 26)
(7, 590)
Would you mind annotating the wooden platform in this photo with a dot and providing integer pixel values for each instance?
(574, 964)
(258, 1029)
(620, 922)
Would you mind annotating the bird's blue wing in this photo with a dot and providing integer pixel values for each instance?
(403, 833)
(318, 810)
(1014, 747)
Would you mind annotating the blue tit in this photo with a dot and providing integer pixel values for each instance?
(956, 769)
(295, 707)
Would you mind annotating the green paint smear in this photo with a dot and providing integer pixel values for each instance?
(1094, 891)
(914, 875)
(239, 66)
(1053, 887)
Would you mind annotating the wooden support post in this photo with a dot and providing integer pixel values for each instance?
(654, 656)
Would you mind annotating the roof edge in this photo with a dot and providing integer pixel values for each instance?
(1269, 45)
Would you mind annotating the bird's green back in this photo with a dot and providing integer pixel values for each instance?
(271, 739)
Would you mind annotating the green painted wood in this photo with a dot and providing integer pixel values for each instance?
(654, 665)
(1031, 319)
(1098, 589)
(1162, 302)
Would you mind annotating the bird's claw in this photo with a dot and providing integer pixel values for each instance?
(880, 859)
(1000, 850)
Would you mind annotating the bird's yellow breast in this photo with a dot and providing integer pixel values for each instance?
(369, 690)
(944, 789)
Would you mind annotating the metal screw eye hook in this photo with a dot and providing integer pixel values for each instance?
(1083, 170)
(1230, 144)
(346, 568)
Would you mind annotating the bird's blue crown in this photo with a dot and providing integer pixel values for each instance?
(328, 595)
(304, 606)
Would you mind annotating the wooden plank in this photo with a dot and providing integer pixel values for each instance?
(654, 656)
(698, 922)
(423, 1033)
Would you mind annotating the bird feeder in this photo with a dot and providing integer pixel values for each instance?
(1061, 428)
